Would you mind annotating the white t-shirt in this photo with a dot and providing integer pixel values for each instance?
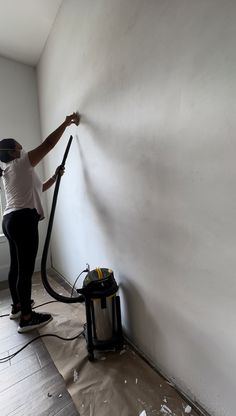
(23, 187)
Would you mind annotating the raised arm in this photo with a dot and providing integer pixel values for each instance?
(37, 154)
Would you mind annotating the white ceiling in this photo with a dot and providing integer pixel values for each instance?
(24, 28)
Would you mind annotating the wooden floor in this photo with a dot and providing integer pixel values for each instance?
(30, 384)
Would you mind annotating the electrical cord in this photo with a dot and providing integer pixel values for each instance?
(45, 303)
(73, 287)
(35, 307)
(8, 358)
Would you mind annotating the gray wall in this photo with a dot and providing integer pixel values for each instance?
(19, 118)
(149, 188)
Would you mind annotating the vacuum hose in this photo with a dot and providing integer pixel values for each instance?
(45, 281)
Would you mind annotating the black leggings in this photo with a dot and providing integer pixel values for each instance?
(21, 229)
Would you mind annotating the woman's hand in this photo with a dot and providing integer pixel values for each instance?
(60, 170)
(73, 118)
(37, 154)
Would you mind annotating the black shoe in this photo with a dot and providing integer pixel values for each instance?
(16, 311)
(37, 320)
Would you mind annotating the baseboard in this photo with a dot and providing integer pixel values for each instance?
(60, 278)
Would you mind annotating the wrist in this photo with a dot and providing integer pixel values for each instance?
(54, 178)
(67, 122)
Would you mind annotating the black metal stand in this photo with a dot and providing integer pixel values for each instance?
(93, 343)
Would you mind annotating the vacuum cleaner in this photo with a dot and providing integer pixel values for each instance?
(103, 328)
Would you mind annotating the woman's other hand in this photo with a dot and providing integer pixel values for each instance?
(60, 170)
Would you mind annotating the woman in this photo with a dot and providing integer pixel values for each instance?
(21, 216)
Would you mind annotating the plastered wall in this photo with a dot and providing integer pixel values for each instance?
(19, 118)
(150, 182)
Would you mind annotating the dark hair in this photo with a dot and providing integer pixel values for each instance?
(6, 145)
